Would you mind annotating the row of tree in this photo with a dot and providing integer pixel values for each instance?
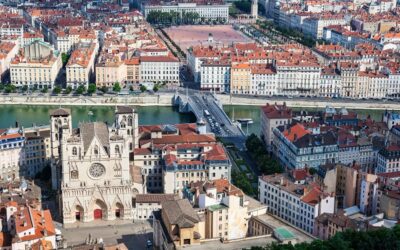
(265, 163)
(383, 238)
(179, 18)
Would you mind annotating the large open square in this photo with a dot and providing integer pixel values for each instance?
(190, 35)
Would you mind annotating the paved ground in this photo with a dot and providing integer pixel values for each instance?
(133, 235)
(239, 245)
(190, 35)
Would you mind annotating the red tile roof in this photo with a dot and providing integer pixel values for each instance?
(276, 111)
(297, 131)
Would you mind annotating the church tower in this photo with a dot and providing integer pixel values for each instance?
(126, 122)
(60, 126)
(254, 8)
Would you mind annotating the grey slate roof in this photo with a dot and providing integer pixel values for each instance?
(60, 112)
(124, 110)
(180, 212)
(89, 130)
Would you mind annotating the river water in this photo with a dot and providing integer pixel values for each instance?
(27, 115)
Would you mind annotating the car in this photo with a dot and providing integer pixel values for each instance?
(149, 244)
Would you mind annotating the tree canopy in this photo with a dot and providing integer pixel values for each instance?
(383, 238)
(265, 163)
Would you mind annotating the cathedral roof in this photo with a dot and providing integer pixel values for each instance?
(60, 112)
(124, 110)
(94, 129)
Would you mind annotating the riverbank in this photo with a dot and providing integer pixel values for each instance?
(165, 99)
(310, 103)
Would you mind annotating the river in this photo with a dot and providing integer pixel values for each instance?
(27, 115)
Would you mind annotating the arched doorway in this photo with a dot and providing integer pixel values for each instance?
(119, 210)
(78, 213)
(99, 210)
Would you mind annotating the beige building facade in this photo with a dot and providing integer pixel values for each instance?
(37, 65)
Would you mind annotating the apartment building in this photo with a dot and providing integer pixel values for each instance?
(226, 208)
(81, 64)
(314, 26)
(37, 150)
(66, 40)
(12, 143)
(273, 116)
(241, 78)
(191, 156)
(29, 37)
(343, 180)
(110, 70)
(28, 227)
(263, 80)
(327, 225)
(330, 82)
(160, 69)
(299, 76)
(8, 51)
(132, 70)
(215, 75)
(297, 204)
(212, 11)
(297, 147)
(388, 159)
(36, 65)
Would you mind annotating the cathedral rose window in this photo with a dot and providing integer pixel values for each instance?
(97, 170)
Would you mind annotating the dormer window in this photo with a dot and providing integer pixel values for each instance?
(74, 151)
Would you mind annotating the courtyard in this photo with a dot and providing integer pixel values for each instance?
(191, 35)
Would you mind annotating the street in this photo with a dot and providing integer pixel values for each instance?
(133, 235)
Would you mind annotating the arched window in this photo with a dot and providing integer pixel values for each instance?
(117, 149)
(96, 150)
(130, 121)
(129, 131)
(74, 151)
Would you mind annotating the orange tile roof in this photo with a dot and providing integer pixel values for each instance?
(297, 131)
(27, 218)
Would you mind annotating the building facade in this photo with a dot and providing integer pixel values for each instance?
(298, 204)
(96, 179)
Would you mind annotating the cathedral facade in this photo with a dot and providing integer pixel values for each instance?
(97, 181)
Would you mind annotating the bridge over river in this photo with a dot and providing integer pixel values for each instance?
(206, 107)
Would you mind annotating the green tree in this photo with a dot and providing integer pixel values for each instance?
(265, 164)
(24, 88)
(10, 88)
(104, 89)
(156, 88)
(117, 87)
(57, 90)
(143, 88)
(68, 90)
(45, 89)
(92, 88)
(240, 180)
(80, 90)
(35, 87)
(64, 58)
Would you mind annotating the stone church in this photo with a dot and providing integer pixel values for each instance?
(97, 181)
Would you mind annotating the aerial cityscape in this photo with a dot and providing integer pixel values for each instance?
(199, 124)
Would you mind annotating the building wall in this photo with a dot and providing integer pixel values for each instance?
(390, 207)
(109, 75)
(31, 74)
(241, 79)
